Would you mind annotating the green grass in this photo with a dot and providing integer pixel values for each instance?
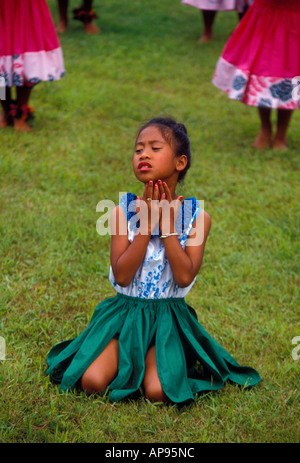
(54, 265)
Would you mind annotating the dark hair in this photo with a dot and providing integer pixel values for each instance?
(176, 135)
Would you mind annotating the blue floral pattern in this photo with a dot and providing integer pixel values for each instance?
(239, 82)
(265, 103)
(282, 90)
(28, 69)
(255, 90)
(154, 279)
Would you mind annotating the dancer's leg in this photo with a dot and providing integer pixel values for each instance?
(208, 21)
(23, 95)
(63, 15)
(103, 370)
(152, 385)
(283, 121)
(263, 139)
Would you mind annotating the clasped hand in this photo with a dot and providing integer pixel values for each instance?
(157, 209)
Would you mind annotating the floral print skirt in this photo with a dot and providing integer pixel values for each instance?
(219, 5)
(260, 64)
(29, 47)
(189, 360)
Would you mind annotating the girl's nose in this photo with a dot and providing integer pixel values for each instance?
(145, 154)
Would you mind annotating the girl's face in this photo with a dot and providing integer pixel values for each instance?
(154, 158)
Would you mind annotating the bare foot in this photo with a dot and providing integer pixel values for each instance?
(21, 126)
(279, 144)
(62, 27)
(91, 28)
(206, 37)
(263, 140)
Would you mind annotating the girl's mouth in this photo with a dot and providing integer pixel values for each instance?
(144, 166)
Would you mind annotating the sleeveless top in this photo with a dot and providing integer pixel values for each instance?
(154, 278)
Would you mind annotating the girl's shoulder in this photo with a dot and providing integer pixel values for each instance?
(127, 202)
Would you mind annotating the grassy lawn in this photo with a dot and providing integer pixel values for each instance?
(54, 266)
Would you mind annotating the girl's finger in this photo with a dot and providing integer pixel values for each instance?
(167, 192)
(155, 192)
(145, 192)
(149, 194)
(161, 188)
(137, 204)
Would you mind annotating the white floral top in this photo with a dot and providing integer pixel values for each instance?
(154, 279)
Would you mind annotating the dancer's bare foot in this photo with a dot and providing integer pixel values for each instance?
(205, 38)
(21, 126)
(280, 144)
(91, 28)
(62, 27)
(263, 139)
(283, 120)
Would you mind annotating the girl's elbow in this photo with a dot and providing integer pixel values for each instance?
(184, 281)
(121, 277)
(122, 280)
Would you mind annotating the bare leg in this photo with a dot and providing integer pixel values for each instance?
(263, 140)
(3, 117)
(241, 15)
(23, 95)
(103, 370)
(89, 27)
(5, 108)
(208, 20)
(63, 15)
(152, 385)
(283, 121)
(87, 4)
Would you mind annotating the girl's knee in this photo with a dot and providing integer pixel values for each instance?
(155, 392)
(91, 383)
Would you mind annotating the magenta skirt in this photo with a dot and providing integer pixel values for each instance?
(29, 47)
(260, 64)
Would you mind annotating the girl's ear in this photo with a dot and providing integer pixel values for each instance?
(181, 162)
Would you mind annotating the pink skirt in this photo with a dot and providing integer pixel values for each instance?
(260, 64)
(29, 48)
(219, 5)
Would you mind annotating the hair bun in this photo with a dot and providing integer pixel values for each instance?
(182, 127)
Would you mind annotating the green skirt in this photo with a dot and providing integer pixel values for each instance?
(189, 360)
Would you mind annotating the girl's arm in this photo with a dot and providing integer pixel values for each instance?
(185, 263)
(125, 257)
